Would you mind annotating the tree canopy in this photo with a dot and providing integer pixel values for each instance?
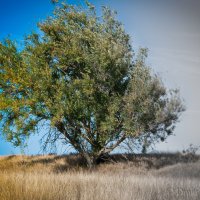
(80, 76)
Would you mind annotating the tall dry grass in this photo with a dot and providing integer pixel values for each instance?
(61, 177)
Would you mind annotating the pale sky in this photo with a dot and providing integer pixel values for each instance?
(171, 31)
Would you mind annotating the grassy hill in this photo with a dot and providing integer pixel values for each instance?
(128, 177)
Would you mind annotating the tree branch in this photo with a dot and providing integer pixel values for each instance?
(112, 147)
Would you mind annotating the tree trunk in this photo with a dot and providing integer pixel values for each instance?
(92, 161)
(89, 160)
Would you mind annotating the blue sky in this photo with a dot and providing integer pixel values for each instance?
(171, 31)
(19, 17)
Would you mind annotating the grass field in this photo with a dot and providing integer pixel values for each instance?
(150, 177)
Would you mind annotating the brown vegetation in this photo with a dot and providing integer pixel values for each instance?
(139, 177)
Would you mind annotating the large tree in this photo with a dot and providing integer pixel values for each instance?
(79, 76)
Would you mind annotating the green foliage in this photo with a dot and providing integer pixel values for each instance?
(80, 76)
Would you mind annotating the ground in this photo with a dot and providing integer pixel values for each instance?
(127, 177)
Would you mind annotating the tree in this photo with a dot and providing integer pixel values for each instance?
(80, 77)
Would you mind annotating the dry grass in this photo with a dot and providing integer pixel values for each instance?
(61, 177)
